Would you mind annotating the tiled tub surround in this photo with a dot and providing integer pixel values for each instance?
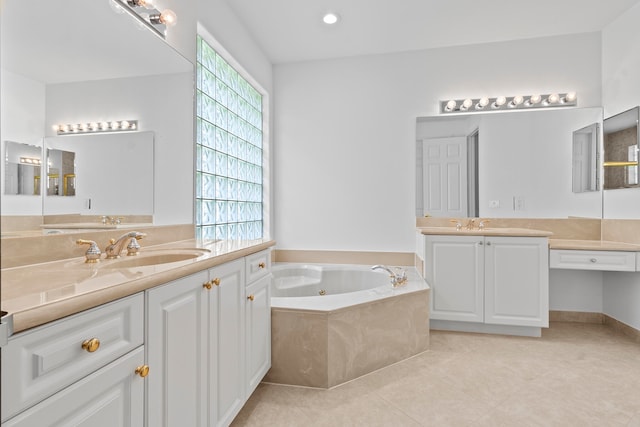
(324, 341)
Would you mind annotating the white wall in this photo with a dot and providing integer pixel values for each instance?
(621, 91)
(22, 122)
(345, 130)
(162, 104)
(622, 297)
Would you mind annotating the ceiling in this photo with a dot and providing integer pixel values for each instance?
(292, 30)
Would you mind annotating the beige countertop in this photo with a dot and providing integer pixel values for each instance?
(498, 231)
(592, 245)
(40, 293)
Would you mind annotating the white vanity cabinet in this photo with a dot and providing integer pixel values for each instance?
(205, 340)
(227, 395)
(486, 280)
(257, 319)
(78, 369)
(178, 332)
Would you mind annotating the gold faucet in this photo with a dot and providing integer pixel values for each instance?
(130, 239)
(470, 224)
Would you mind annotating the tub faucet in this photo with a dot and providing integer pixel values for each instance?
(398, 278)
(130, 239)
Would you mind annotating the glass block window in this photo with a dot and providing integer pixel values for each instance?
(229, 167)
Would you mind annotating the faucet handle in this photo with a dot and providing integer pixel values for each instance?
(133, 247)
(93, 253)
(457, 223)
(483, 223)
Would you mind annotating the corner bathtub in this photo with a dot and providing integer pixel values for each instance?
(333, 323)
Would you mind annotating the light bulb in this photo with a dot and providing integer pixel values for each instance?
(570, 97)
(517, 100)
(124, 124)
(482, 103)
(500, 101)
(56, 128)
(330, 18)
(553, 98)
(466, 104)
(534, 99)
(115, 125)
(93, 126)
(168, 17)
(64, 128)
(104, 125)
(451, 105)
(84, 127)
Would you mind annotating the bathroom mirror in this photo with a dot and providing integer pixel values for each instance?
(620, 138)
(515, 165)
(22, 169)
(61, 173)
(112, 173)
(99, 65)
(586, 158)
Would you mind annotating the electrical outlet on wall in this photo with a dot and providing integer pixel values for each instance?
(518, 203)
(494, 204)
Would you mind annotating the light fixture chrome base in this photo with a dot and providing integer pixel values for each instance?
(148, 17)
(503, 103)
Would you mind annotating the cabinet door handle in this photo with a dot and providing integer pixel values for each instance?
(142, 370)
(207, 285)
(91, 345)
(488, 243)
(216, 281)
(251, 297)
(262, 265)
(594, 260)
(480, 243)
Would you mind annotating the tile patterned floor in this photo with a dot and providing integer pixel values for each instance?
(575, 375)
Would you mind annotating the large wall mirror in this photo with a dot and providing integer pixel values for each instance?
(112, 173)
(621, 198)
(75, 61)
(502, 165)
(621, 150)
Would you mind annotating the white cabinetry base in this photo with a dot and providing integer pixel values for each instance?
(484, 328)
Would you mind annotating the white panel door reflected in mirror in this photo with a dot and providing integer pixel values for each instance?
(621, 150)
(586, 158)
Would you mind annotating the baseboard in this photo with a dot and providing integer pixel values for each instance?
(623, 328)
(576, 316)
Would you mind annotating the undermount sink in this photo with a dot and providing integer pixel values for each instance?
(154, 258)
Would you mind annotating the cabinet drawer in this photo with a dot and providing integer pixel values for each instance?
(592, 260)
(42, 361)
(111, 396)
(257, 265)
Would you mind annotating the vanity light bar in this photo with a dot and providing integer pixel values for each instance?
(30, 161)
(147, 14)
(96, 127)
(504, 103)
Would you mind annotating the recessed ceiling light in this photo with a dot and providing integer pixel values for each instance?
(330, 18)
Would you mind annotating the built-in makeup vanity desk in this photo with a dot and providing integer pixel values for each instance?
(493, 280)
(593, 255)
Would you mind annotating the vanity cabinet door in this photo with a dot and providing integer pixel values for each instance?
(110, 397)
(227, 361)
(454, 269)
(258, 332)
(517, 281)
(178, 331)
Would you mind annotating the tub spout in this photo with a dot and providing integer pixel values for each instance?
(398, 278)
